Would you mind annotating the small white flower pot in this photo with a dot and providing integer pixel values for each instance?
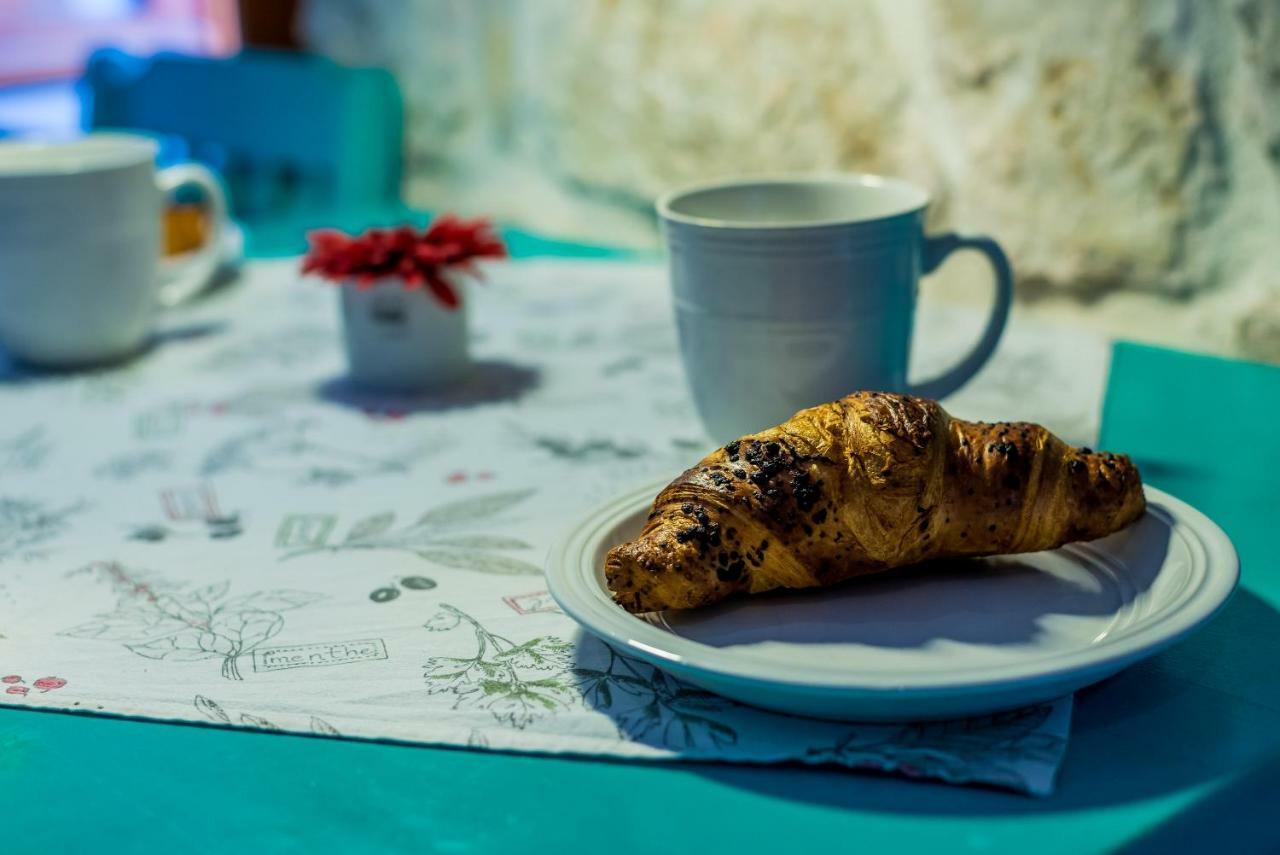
(403, 341)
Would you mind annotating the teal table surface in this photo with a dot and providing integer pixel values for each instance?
(288, 237)
(1162, 758)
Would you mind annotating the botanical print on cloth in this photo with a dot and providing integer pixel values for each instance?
(26, 526)
(285, 348)
(515, 683)
(183, 506)
(439, 535)
(265, 549)
(650, 705)
(24, 452)
(987, 749)
(532, 603)
(289, 449)
(128, 465)
(519, 683)
(13, 684)
(178, 623)
(214, 711)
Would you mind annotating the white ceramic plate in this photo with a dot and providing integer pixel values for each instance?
(955, 640)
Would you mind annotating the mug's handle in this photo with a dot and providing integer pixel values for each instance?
(936, 250)
(193, 273)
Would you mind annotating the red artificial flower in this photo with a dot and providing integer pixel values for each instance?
(12, 678)
(46, 684)
(418, 258)
(17, 690)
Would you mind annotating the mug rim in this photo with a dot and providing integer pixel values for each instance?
(97, 152)
(665, 202)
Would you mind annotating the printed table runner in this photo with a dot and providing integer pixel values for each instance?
(223, 531)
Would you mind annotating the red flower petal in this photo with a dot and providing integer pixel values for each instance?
(416, 256)
(443, 291)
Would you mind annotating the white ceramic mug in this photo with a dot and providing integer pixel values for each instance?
(793, 291)
(80, 262)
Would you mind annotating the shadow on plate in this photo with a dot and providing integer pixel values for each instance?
(994, 601)
(1200, 712)
(490, 382)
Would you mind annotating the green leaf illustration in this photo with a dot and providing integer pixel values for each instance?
(370, 527)
(541, 654)
(471, 510)
(480, 541)
(481, 562)
(497, 678)
(521, 706)
(302, 531)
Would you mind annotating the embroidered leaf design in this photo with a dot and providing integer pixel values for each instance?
(480, 541)
(470, 510)
(256, 721)
(482, 562)
(322, 727)
(370, 527)
(211, 709)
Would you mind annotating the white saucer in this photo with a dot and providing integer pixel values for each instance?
(948, 641)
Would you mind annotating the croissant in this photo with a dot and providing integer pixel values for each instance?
(861, 485)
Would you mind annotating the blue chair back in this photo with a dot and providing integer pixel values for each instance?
(294, 135)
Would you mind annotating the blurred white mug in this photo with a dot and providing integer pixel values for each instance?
(80, 258)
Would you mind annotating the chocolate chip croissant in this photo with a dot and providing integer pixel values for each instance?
(861, 485)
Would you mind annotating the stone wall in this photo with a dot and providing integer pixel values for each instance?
(1127, 153)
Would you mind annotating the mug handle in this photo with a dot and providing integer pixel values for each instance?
(185, 278)
(936, 250)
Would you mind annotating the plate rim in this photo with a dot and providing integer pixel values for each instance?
(571, 575)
